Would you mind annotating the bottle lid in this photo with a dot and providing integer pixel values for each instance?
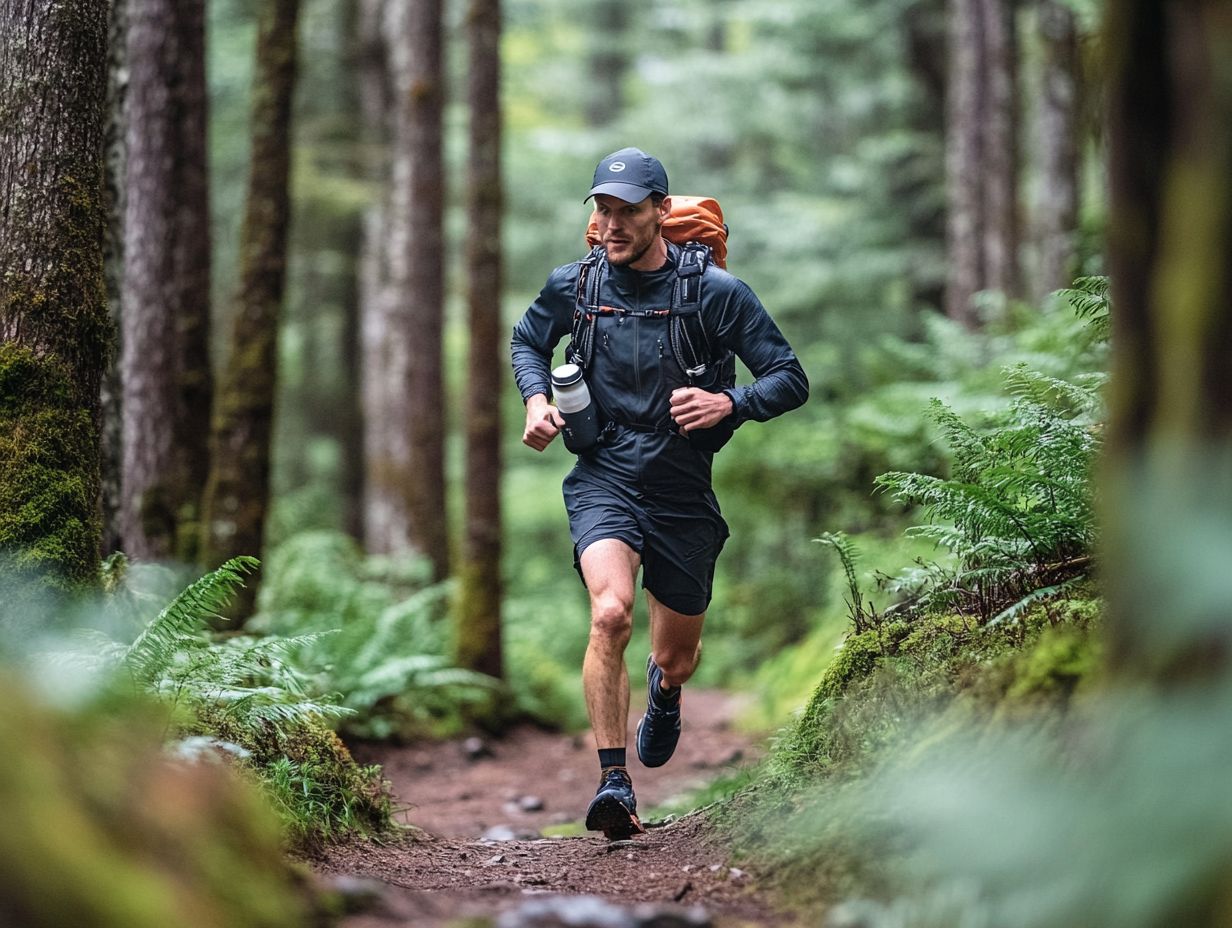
(566, 375)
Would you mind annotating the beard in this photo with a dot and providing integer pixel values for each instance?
(632, 258)
(638, 248)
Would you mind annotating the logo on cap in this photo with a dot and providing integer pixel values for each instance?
(616, 167)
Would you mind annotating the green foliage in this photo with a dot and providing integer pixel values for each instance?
(371, 637)
(1091, 299)
(242, 678)
(245, 697)
(102, 828)
(847, 556)
(902, 690)
(997, 632)
(316, 788)
(1017, 512)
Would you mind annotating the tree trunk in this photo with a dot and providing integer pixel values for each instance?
(347, 420)
(1168, 501)
(999, 172)
(165, 369)
(981, 155)
(963, 160)
(424, 294)
(417, 281)
(237, 493)
(479, 605)
(381, 502)
(924, 32)
(350, 431)
(54, 328)
(609, 62)
(1060, 147)
(115, 167)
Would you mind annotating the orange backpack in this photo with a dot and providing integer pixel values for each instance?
(693, 219)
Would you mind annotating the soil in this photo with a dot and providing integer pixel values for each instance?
(479, 809)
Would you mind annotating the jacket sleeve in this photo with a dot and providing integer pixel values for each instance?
(780, 383)
(549, 318)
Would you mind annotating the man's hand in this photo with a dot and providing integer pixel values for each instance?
(543, 422)
(694, 408)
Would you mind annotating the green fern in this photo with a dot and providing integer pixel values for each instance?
(1091, 299)
(387, 659)
(1017, 511)
(179, 628)
(250, 681)
(862, 615)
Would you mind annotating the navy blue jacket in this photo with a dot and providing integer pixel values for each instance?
(633, 372)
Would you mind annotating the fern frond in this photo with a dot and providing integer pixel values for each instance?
(254, 704)
(1091, 299)
(182, 621)
(847, 554)
(1070, 397)
(1013, 612)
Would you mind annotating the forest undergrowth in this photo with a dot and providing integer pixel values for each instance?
(998, 627)
(996, 636)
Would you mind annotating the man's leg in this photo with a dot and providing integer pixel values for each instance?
(610, 568)
(675, 641)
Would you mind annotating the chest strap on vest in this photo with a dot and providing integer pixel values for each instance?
(686, 334)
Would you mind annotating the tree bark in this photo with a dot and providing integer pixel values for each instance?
(165, 370)
(417, 281)
(981, 155)
(963, 159)
(237, 493)
(115, 167)
(479, 605)
(1169, 452)
(381, 502)
(425, 285)
(54, 328)
(348, 424)
(609, 62)
(1060, 147)
(999, 172)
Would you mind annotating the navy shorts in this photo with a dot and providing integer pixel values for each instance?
(678, 534)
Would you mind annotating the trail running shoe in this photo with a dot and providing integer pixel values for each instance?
(613, 811)
(659, 729)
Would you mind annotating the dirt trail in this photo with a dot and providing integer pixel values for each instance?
(533, 779)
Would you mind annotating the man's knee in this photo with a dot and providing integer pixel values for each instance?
(677, 663)
(611, 616)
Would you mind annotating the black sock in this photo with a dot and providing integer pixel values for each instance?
(611, 757)
(667, 697)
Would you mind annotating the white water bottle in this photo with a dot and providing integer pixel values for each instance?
(574, 403)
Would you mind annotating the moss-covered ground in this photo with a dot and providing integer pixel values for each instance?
(902, 690)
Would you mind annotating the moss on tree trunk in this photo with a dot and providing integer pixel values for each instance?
(479, 603)
(1168, 500)
(54, 329)
(237, 492)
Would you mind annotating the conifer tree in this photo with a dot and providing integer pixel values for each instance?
(479, 609)
(54, 329)
(164, 359)
(237, 493)
(1168, 502)
(421, 296)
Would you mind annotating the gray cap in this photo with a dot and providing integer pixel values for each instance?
(629, 174)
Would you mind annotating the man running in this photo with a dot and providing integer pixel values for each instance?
(642, 497)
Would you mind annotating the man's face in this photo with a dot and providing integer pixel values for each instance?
(628, 230)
